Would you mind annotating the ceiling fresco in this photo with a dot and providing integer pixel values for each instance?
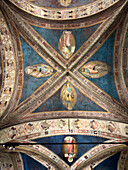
(64, 84)
(64, 14)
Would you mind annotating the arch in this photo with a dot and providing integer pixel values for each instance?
(64, 13)
(51, 127)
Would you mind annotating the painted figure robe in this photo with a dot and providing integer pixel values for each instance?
(70, 149)
(95, 69)
(67, 44)
(39, 70)
(68, 96)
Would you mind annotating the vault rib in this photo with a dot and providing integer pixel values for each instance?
(98, 96)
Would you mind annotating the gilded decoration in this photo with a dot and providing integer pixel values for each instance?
(95, 69)
(68, 96)
(67, 44)
(39, 70)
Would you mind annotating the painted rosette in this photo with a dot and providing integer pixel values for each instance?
(39, 70)
(65, 3)
(68, 96)
(67, 44)
(95, 69)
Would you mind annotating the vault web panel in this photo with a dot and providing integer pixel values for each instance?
(105, 54)
(81, 35)
(31, 164)
(110, 163)
(82, 148)
(31, 58)
(54, 103)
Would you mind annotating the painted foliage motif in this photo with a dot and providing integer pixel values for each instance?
(67, 44)
(95, 69)
(39, 70)
(68, 96)
(70, 149)
(65, 2)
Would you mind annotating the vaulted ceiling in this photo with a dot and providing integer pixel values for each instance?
(64, 72)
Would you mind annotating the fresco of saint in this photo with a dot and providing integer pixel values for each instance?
(70, 149)
(95, 69)
(39, 70)
(68, 96)
(67, 44)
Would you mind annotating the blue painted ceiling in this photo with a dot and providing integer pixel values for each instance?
(83, 103)
(82, 148)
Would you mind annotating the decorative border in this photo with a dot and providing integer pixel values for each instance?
(38, 129)
(19, 70)
(43, 155)
(64, 13)
(97, 153)
(8, 64)
(120, 58)
(68, 114)
(5, 161)
(98, 96)
(17, 161)
(97, 162)
(122, 160)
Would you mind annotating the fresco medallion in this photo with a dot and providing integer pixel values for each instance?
(39, 70)
(68, 96)
(95, 69)
(70, 149)
(67, 44)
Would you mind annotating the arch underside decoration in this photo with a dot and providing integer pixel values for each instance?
(44, 128)
(46, 54)
(64, 14)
